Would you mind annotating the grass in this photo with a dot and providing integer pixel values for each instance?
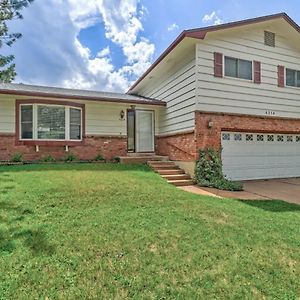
(103, 231)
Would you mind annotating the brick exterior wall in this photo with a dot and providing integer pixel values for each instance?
(108, 147)
(180, 147)
(225, 122)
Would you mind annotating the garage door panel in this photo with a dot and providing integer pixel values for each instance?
(249, 156)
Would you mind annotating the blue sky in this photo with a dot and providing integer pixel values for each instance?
(107, 44)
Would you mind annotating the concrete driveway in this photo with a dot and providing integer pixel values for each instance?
(274, 189)
(278, 189)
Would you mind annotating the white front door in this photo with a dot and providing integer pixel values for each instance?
(144, 131)
(249, 156)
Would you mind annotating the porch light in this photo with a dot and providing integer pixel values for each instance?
(122, 114)
(210, 124)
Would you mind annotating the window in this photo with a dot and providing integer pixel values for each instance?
(280, 138)
(260, 138)
(26, 122)
(226, 136)
(50, 122)
(238, 68)
(237, 137)
(292, 78)
(249, 137)
(75, 124)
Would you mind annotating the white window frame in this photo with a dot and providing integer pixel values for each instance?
(285, 78)
(238, 78)
(34, 122)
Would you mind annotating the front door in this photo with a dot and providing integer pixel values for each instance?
(140, 130)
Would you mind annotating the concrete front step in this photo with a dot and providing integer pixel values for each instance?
(160, 163)
(165, 166)
(141, 159)
(181, 182)
(170, 172)
(176, 177)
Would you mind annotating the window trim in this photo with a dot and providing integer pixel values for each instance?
(43, 142)
(238, 78)
(285, 78)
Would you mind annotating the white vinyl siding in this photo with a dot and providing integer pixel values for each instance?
(104, 118)
(7, 115)
(232, 95)
(177, 89)
(101, 119)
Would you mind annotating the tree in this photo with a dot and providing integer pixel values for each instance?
(9, 10)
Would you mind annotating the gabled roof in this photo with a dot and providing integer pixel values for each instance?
(62, 93)
(200, 33)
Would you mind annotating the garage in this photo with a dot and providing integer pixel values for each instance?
(248, 156)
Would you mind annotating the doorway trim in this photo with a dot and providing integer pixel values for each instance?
(135, 111)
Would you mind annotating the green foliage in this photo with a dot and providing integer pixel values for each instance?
(116, 160)
(16, 157)
(70, 157)
(48, 158)
(99, 157)
(113, 231)
(9, 10)
(208, 171)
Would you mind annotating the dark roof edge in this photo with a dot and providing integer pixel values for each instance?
(200, 33)
(78, 97)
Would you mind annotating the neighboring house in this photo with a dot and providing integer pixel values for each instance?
(235, 86)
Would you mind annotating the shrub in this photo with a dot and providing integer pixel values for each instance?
(48, 158)
(70, 157)
(208, 171)
(99, 157)
(17, 157)
(116, 159)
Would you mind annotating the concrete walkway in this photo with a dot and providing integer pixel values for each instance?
(275, 189)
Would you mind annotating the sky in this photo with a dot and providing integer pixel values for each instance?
(107, 44)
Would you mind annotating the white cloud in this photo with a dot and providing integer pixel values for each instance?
(212, 18)
(57, 57)
(172, 27)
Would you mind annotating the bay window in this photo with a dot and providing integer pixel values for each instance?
(50, 122)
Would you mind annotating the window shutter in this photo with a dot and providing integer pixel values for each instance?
(257, 72)
(218, 64)
(281, 76)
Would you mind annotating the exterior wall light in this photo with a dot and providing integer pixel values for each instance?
(210, 124)
(122, 114)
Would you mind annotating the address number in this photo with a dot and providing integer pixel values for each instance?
(270, 113)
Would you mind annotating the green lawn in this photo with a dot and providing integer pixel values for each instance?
(84, 231)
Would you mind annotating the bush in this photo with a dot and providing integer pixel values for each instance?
(99, 157)
(48, 158)
(17, 157)
(70, 157)
(208, 171)
(116, 160)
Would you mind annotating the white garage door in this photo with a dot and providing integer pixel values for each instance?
(249, 156)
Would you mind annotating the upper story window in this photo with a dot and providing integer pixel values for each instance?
(238, 68)
(50, 122)
(292, 78)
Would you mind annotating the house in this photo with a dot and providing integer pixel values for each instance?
(234, 86)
